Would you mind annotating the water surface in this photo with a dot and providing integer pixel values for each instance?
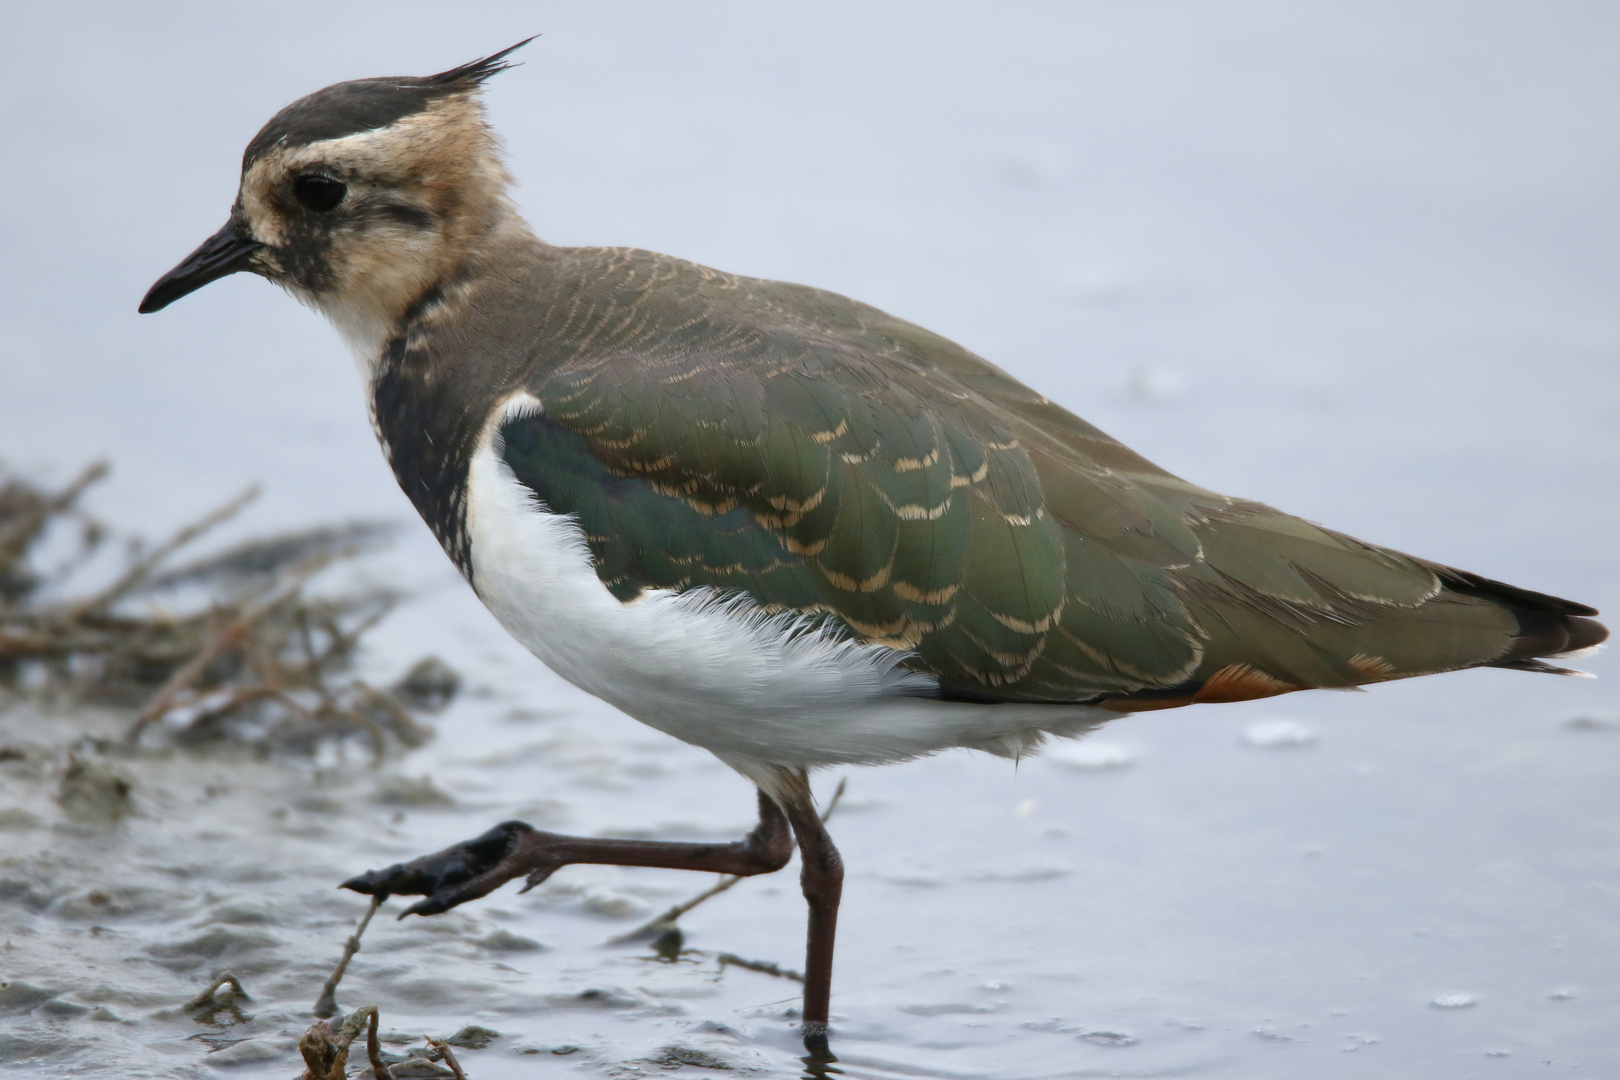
(1356, 260)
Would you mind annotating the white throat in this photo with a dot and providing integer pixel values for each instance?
(364, 331)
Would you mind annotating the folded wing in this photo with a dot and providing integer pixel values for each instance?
(821, 456)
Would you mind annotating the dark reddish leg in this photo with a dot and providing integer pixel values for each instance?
(470, 869)
(823, 882)
(474, 868)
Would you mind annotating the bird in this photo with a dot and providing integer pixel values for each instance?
(777, 523)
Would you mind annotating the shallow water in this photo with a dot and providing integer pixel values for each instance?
(1335, 888)
(1355, 260)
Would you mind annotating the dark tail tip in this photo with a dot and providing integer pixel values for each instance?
(1586, 634)
(1548, 625)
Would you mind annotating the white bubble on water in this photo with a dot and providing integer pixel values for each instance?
(1092, 756)
(1278, 735)
(1454, 1001)
(1108, 1038)
(1147, 382)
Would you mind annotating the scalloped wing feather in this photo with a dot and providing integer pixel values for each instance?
(822, 456)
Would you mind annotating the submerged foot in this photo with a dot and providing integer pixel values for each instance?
(818, 1058)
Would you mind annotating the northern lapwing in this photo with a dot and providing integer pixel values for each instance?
(777, 523)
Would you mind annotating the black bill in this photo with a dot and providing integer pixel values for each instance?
(226, 252)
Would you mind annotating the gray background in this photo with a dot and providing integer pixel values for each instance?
(1358, 260)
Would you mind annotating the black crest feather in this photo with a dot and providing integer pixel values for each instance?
(479, 71)
(348, 108)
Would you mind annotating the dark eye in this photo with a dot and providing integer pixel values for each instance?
(319, 193)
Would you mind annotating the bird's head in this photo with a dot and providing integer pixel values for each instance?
(359, 197)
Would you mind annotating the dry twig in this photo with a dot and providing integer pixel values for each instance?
(449, 1058)
(251, 655)
(136, 575)
(326, 1004)
(379, 1069)
(21, 533)
(763, 966)
(229, 637)
(326, 1053)
(207, 998)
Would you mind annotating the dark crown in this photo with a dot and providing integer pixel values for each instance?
(348, 108)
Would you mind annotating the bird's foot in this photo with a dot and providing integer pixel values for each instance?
(818, 1058)
(461, 872)
(472, 868)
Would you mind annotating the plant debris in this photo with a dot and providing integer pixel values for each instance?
(326, 1053)
(447, 1055)
(326, 1005)
(764, 967)
(230, 648)
(474, 1037)
(91, 790)
(209, 996)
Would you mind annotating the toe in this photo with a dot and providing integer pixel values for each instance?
(438, 874)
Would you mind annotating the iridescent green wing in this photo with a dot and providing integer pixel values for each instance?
(1274, 603)
(641, 538)
(821, 455)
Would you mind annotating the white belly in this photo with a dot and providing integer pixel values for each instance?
(716, 671)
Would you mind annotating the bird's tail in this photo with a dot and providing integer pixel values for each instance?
(1548, 626)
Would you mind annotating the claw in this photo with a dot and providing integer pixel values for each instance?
(437, 876)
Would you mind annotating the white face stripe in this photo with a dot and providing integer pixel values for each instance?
(447, 145)
(443, 162)
(757, 689)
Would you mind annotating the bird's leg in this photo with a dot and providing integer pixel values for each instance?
(472, 868)
(822, 878)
